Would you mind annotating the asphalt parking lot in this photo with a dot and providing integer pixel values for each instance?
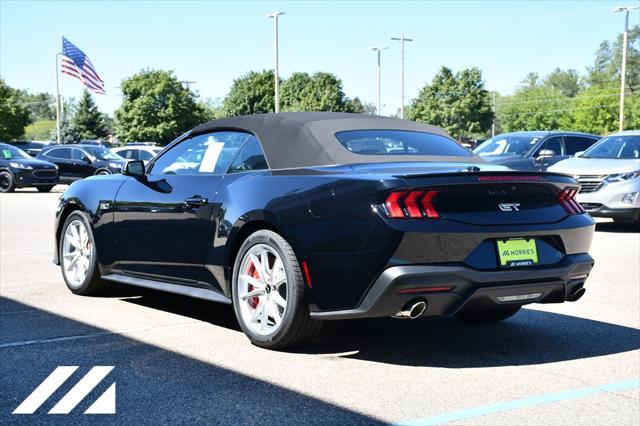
(180, 360)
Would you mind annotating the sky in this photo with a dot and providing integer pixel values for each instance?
(211, 43)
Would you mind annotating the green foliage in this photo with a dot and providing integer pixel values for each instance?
(253, 94)
(156, 107)
(457, 102)
(567, 82)
(318, 92)
(14, 116)
(606, 67)
(87, 120)
(41, 106)
(250, 94)
(534, 108)
(40, 130)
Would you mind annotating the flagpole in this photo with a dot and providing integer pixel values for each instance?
(58, 106)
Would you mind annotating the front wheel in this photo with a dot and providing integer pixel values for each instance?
(269, 293)
(78, 256)
(488, 316)
(7, 182)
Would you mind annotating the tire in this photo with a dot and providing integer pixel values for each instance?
(86, 281)
(102, 172)
(7, 182)
(488, 316)
(256, 314)
(44, 188)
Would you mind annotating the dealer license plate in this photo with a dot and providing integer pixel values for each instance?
(517, 252)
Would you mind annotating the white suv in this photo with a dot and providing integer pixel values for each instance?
(609, 175)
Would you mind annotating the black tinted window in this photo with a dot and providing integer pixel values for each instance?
(61, 153)
(575, 144)
(77, 154)
(250, 157)
(552, 144)
(399, 142)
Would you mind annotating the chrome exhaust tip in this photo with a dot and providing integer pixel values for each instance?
(412, 310)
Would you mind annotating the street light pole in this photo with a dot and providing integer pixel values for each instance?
(623, 71)
(378, 50)
(401, 39)
(275, 15)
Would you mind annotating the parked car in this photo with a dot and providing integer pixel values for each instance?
(137, 152)
(19, 170)
(32, 148)
(296, 218)
(529, 151)
(94, 142)
(609, 175)
(79, 161)
(140, 144)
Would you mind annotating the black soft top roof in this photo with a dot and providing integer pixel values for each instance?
(307, 139)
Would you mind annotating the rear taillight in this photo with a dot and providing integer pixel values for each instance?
(411, 204)
(568, 202)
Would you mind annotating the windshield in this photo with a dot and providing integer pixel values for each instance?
(622, 147)
(101, 153)
(11, 152)
(399, 142)
(507, 145)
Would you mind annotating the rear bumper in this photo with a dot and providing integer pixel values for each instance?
(472, 289)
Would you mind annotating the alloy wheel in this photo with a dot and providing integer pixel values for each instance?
(262, 290)
(76, 253)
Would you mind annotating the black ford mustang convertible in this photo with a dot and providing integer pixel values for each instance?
(297, 218)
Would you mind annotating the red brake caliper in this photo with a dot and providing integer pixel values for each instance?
(253, 272)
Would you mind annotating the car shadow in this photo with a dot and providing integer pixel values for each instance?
(153, 385)
(529, 337)
(621, 228)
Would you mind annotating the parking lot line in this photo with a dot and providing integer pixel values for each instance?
(522, 403)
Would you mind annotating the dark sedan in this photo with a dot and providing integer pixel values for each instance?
(19, 170)
(531, 151)
(80, 161)
(296, 218)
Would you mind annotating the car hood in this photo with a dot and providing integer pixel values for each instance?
(595, 166)
(34, 162)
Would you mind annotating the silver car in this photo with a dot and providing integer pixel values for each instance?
(609, 175)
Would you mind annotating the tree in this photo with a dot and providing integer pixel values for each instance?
(39, 130)
(457, 102)
(318, 92)
(87, 120)
(534, 108)
(253, 93)
(156, 107)
(597, 109)
(607, 65)
(567, 82)
(14, 116)
(41, 106)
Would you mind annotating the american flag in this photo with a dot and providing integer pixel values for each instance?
(77, 64)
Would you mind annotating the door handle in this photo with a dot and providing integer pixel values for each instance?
(196, 201)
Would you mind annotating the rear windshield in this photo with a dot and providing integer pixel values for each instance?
(399, 142)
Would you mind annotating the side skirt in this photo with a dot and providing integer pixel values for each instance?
(198, 293)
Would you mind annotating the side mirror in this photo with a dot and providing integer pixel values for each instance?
(579, 153)
(134, 168)
(86, 159)
(545, 153)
